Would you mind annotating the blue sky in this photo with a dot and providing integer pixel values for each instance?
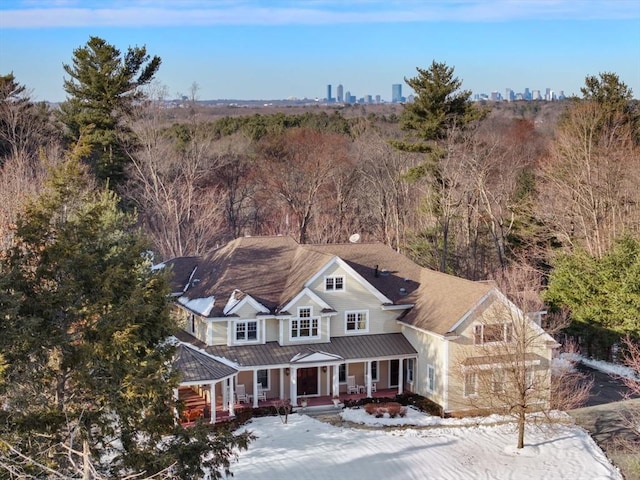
(250, 49)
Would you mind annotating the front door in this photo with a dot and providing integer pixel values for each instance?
(307, 380)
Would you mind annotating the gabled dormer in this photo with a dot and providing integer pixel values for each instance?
(305, 319)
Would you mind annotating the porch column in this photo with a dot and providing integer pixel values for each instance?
(336, 379)
(176, 396)
(212, 396)
(293, 385)
(225, 395)
(282, 375)
(232, 407)
(255, 388)
(401, 377)
(368, 378)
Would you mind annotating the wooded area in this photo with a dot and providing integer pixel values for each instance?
(466, 188)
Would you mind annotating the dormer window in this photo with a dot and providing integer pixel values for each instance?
(246, 330)
(305, 325)
(334, 284)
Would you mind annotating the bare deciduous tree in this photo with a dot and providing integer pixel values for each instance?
(297, 166)
(511, 372)
(591, 176)
(170, 182)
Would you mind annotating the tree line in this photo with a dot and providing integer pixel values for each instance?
(459, 187)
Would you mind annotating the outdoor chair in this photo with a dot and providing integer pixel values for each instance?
(241, 394)
(351, 384)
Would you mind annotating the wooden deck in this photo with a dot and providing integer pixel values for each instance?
(197, 407)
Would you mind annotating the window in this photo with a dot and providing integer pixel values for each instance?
(192, 323)
(409, 370)
(246, 330)
(357, 321)
(493, 333)
(374, 371)
(497, 381)
(470, 384)
(530, 379)
(431, 378)
(342, 373)
(305, 326)
(263, 379)
(334, 284)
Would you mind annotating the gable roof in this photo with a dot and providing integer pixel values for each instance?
(274, 270)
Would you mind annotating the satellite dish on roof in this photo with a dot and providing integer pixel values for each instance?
(355, 238)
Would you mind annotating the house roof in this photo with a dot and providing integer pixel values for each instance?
(195, 366)
(273, 270)
(350, 348)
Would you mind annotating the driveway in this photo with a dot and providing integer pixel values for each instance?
(602, 417)
(606, 389)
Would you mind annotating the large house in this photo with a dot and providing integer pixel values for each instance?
(266, 318)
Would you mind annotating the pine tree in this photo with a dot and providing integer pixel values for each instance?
(103, 89)
(85, 323)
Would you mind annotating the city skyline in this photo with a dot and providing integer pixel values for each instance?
(250, 49)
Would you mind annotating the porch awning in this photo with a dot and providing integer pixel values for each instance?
(351, 348)
(195, 366)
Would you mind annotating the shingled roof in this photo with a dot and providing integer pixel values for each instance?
(196, 366)
(272, 270)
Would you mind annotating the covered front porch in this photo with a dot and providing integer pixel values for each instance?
(197, 407)
(347, 368)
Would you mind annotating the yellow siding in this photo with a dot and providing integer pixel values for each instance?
(355, 297)
(219, 330)
(431, 351)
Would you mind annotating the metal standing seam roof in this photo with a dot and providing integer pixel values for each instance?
(360, 347)
(196, 366)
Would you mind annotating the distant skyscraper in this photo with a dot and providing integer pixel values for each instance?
(339, 94)
(329, 99)
(396, 92)
(347, 97)
(527, 94)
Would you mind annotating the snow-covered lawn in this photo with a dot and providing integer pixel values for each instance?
(308, 449)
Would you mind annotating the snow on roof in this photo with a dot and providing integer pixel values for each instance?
(201, 306)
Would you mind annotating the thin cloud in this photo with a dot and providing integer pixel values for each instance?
(158, 13)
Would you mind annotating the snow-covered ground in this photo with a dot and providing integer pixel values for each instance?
(420, 446)
(308, 449)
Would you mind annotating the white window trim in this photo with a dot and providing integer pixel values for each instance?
(375, 378)
(498, 381)
(333, 277)
(411, 366)
(431, 388)
(346, 373)
(268, 385)
(246, 322)
(466, 394)
(505, 327)
(356, 331)
(311, 319)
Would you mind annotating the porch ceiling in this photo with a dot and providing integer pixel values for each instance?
(351, 348)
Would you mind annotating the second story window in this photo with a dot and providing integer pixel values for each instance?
(305, 325)
(246, 330)
(334, 284)
(492, 333)
(357, 321)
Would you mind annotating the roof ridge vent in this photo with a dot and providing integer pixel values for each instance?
(384, 272)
